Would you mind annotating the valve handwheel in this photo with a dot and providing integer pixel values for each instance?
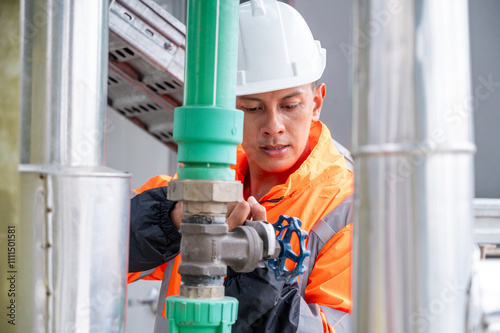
(285, 233)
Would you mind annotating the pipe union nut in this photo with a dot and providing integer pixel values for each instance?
(205, 190)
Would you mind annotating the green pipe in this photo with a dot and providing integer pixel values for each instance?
(207, 127)
(188, 315)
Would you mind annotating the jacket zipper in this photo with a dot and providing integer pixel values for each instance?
(272, 200)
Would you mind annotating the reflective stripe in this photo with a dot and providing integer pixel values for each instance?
(349, 161)
(322, 232)
(310, 318)
(339, 320)
(146, 273)
(161, 323)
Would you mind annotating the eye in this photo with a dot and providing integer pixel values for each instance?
(250, 109)
(290, 106)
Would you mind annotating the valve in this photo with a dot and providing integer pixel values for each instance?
(285, 233)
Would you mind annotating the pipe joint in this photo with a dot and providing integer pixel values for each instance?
(207, 250)
(199, 192)
(242, 249)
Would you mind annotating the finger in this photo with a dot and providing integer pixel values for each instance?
(238, 215)
(177, 214)
(258, 211)
(230, 208)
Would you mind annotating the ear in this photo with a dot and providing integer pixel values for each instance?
(319, 96)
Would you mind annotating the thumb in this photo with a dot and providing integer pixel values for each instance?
(258, 212)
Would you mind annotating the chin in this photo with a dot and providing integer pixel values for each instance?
(279, 168)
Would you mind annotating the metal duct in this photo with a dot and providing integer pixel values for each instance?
(73, 233)
(412, 108)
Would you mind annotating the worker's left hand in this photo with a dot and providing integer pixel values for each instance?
(238, 213)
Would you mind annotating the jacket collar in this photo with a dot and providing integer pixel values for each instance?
(323, 160)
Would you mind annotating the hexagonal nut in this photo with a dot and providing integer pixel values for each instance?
(205, 190)
(203, 269)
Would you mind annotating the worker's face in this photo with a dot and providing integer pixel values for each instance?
(277, 125)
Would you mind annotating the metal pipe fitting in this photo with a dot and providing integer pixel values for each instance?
(207, 250)
(205, 197)
(271, 248)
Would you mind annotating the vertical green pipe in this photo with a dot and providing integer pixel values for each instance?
(201, 52)
(227, 55)
(207, 127)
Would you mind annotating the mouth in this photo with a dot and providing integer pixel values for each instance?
(275, 150)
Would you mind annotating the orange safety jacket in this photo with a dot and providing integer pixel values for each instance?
(319, 193)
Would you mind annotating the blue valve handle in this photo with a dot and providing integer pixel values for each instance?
(285, 233)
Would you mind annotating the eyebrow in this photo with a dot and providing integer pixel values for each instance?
(292, 94)
(250, 98)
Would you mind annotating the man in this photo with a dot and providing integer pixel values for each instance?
(288, 165)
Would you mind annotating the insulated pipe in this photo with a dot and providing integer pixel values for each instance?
(73, 233)
(70, 61)
(413, 148)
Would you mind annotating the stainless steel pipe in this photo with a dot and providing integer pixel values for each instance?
(73, 233)
(413, 148)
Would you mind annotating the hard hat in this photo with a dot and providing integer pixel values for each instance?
(276, 49)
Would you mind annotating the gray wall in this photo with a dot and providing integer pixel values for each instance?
(330, 23)
(485, 52)
(131, 149)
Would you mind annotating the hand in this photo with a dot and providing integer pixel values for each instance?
(238, 213)
(177, 214)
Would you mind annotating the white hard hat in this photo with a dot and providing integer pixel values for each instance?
(276, 49)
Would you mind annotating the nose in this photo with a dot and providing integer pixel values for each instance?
(273, 124)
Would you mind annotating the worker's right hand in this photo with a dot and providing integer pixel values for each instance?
(238, 213)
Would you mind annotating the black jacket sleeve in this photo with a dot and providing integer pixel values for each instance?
(154, 239)
(265, 304)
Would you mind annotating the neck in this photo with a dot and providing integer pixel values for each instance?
(259, 182)
(258, 185)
